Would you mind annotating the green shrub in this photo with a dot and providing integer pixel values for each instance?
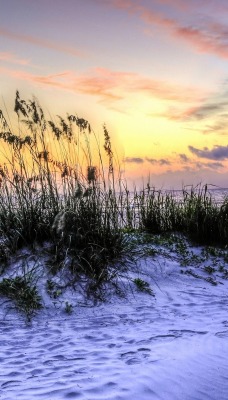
(23, 293)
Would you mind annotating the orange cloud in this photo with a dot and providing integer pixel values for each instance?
(117, 84)
(110, 85)
(41, 42)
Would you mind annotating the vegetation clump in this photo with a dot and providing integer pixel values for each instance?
(143, 286)
(23, 293)
(51, 190)
(58, 185)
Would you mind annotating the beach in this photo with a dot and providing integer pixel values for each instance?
(167, 344)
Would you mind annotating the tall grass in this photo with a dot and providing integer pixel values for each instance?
(159, 212)
(57, 183)
(50, 188)
(195, 214)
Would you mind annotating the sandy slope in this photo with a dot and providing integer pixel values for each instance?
(171, 346)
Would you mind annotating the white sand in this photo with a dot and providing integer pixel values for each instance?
(173, 346)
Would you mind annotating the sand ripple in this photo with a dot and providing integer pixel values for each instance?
(171, 347)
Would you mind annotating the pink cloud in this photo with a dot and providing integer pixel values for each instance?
(178, 4)
(110, 86)
(210, 38)
(205, 42)
(41, 42)
(121, 4)
(119, 83)
(196, 5)
(11, 58)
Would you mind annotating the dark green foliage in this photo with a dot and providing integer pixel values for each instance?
(68, 308)
(195, 214)
(143, 286)
(23, 293)
(53, 289)
(90, 233)
(4, 253)
(201, 216)
(209, 269)
(158, 213)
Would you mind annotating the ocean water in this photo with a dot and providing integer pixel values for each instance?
(217, 194)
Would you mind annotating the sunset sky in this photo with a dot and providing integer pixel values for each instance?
(154, 71)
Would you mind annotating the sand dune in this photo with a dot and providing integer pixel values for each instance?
(173, 346)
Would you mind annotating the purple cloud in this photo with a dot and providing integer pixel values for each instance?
(217, 153)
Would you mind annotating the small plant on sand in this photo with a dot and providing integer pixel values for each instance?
(68, 307)
(143, 286)
(23, 293)
(53, 289)
(209, 269)
(150, 252)
(4, 254)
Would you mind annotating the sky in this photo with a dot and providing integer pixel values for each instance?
(154, 71)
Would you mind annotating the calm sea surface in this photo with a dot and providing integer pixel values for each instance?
(218, 194)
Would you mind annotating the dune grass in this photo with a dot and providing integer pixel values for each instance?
(58, 184)
(23, 293)
(52, 191)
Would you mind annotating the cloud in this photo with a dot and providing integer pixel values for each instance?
(139, 160)
(51, 80)
(202, 34)
(160, 162)
(183, 158)
(211, 39)
(67, 80)
(199, 167)
(164, 90)
(211, 113)
(12, 58)
(178, 4)
(219, 126)
(45, 43)
(217, 153)
(109, 85)
(214, 165)
(195, 5)
(134, 160)
(120, 4)
(116, 84)
(189, 164)
(200, 112)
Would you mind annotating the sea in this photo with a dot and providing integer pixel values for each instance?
(217, 194)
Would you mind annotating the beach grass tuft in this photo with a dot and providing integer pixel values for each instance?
(59, 184)
(23, 293)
